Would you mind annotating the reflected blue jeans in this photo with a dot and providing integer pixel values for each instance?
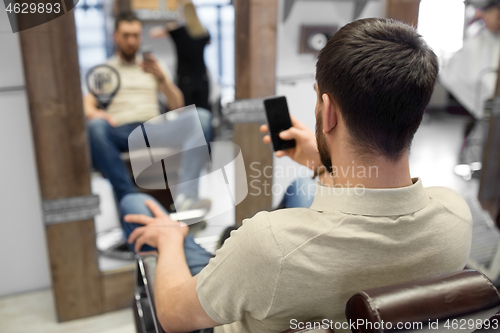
(107, 142)
(134, 203)
(300, 193)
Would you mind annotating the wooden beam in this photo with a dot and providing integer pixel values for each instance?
(118, 288)
(489, 186)
(255, 76)
(403, 10)
(50, 58)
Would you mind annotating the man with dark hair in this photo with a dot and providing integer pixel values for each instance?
(125, 17)
(382, 102)
(370, 224)
(135, 103)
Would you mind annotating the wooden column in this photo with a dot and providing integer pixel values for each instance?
(50, 58)
(489, 188)
(255, 75)
(404, 10)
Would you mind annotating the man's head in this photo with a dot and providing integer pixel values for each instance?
(490, 14)
(128, 35)
(375, 78)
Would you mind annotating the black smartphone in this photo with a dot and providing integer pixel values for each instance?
(146, 53)
(278, 119)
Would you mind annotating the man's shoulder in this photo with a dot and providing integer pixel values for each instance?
(291, 227)
(450, 200)
(288, 218)
(113, 61)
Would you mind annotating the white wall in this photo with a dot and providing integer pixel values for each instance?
(289, 63)
(24, 262)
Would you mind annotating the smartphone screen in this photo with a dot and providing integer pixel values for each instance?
(278, 119)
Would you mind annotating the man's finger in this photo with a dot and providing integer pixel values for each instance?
(138, 218)
(139, 243)
(264, 129)
(296, 123)
(155, 209)
(267, 139)
(110, 120)
(291, 133)
(280, 153)
(134, 234)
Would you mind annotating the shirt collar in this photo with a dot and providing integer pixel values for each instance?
(119, 60)
(371, 202)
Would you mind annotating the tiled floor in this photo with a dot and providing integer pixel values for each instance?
(34, 312)
(433, 156)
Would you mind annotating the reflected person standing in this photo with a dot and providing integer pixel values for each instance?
(190, 39)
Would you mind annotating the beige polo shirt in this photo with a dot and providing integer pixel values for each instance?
(304, 264)
(137, 98)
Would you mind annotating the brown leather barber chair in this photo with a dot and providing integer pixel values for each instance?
(465, 301)
(458, 298)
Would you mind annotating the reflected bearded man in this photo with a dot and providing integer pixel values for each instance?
(142, 81)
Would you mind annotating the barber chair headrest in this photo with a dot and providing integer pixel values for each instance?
(462, 295)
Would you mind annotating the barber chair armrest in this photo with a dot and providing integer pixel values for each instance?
(146, 268)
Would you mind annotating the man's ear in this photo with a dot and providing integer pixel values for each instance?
(329, 114)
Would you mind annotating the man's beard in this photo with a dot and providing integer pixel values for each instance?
(324, 151)
(129, 57)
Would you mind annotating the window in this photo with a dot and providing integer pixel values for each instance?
(441, 23)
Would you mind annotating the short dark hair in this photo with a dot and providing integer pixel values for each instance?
(127, 17)
(491, 4)
(381, 74)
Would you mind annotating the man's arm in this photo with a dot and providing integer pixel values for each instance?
(177, 304)
(174, 96)
(92, 112)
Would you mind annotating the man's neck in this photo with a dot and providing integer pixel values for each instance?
(373, 172)
(125, 59)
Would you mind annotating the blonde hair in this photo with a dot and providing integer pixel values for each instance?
(193, 24)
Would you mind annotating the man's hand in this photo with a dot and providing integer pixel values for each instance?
(158, 32)
(175, 99)
(156, 230)
(305, 151)
(92, 112)
(100, 114)
(150, 65)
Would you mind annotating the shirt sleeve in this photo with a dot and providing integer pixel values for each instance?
(243, 275)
